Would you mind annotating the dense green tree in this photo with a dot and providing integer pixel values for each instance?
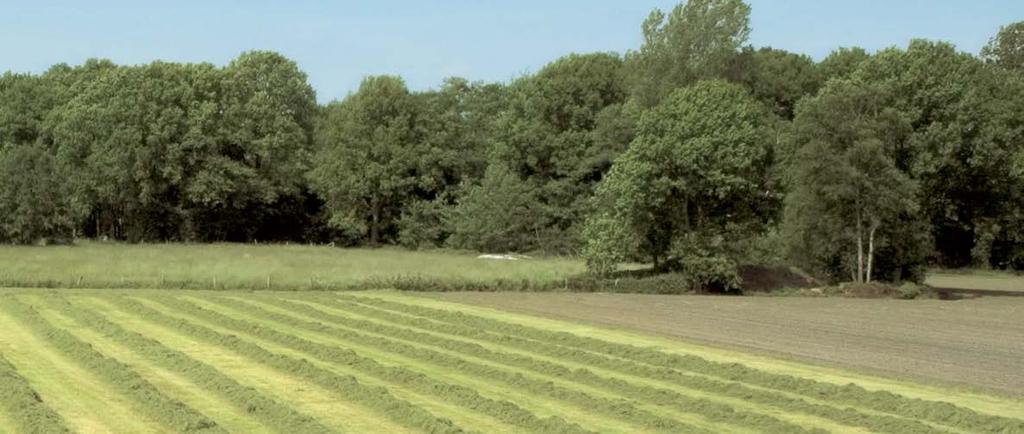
(695, 174)
(777, 77)
(368, 153)
(698, 39)
(560, 133)
(456, 124)
(34, 204)
(964, 129)
(842, 63)
(500, 214)
(849, 203)
(1006, 49)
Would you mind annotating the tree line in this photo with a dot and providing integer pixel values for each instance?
(690, 152)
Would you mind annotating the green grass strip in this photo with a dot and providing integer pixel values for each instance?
(148, 399)
(942, 413)
(377, 398)
(618, 408)
(26, 409)
(272, 413)
(708, 409)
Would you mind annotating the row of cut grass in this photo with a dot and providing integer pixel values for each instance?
(943, 413)
(619, 408)
(765, 398)
(541, 406)
(327, 406)
(23, 406)
(272, 413)
(376, 398)
(539, 403)
(149, 400)
(806, 421)
(713, 411)
(339, 351)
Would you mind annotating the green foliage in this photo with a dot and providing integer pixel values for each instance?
(1006, 49)
(194, 152)
(501, 214)
(849, 201)
(777, 77)
(422, 224)
(699, 162)
(559, 135)
(909, 291)
(367, 156)
(34, 203)
(697, 40)
(841, 63)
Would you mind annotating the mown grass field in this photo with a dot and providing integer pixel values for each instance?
(203, 361)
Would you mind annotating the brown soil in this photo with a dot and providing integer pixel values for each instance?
(976, 343)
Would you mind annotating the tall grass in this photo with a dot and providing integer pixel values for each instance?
(250, 266)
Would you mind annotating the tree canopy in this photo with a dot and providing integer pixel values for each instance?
(683, 152)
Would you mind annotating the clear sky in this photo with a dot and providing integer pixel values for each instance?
(338, 42)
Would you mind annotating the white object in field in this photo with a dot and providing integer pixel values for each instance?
(507, 257)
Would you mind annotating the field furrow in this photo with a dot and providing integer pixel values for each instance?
(668, 399)
(21, 408)
(942, 413)
(377, 398)
(235, 407)
(622, 409)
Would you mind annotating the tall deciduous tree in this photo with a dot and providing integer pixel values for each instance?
(699, 163)
(34, 203)
(849, 201)
(559, 134)
(777, 77)
(1006, 49)
(698, 39)
(368, 152)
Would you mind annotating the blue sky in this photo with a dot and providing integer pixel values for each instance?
(337, 43)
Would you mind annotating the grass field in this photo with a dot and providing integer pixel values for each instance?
(976, 279)
(249, 266)
(194, 361)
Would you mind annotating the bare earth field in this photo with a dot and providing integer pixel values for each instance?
(977, 344)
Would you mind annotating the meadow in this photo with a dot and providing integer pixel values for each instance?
(261, 266)
(225, 361)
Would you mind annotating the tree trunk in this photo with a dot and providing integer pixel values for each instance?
(374, 221)
(871, 248)
(860, 249)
